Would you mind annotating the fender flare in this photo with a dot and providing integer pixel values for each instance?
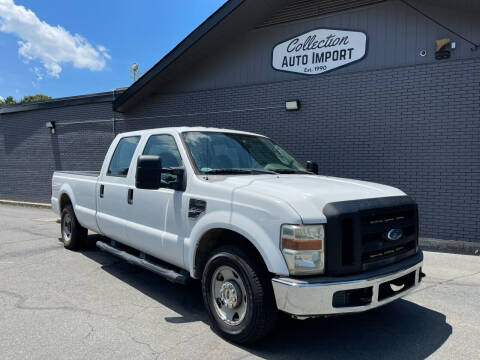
(66, 189)
(269, 251)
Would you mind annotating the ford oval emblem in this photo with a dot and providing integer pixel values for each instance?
(395, 234)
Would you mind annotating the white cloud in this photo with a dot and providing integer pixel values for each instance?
(104, 51)
(1, 98)
(39, 74)
(51, 45)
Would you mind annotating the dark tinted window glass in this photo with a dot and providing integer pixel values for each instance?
(165, 147)
(122, 157)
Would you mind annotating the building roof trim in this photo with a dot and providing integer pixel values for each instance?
(61, 102)
(212, 21)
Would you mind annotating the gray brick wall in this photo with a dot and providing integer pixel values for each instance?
(29, 154)
(416, 128)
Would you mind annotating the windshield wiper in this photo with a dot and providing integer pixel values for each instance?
(261, 171)
(238, 171)
(290, 171)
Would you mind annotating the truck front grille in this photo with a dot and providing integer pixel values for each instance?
(375, 226)
(357, 233)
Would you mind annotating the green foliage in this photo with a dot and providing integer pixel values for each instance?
(9, 100)
(32, 98)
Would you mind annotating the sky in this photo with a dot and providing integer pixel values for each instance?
(65, 48)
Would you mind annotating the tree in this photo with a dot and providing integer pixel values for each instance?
(9, 100)
(32, 98)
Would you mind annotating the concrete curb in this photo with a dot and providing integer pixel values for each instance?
(26, 204)
(450, 246)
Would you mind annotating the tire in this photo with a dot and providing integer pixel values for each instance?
(244, 309)
(74, 235)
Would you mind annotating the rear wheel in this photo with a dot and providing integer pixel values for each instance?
(74, 235)
(238, 295)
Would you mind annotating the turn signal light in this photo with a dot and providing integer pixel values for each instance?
(302, 248)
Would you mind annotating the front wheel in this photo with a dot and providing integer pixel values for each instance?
(238, 295)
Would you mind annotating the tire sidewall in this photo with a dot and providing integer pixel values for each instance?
(67, 211)
(78, 236)
(238, 264)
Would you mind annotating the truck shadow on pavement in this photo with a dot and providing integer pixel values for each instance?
(400, 330)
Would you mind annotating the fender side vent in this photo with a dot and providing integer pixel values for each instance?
(196, 208)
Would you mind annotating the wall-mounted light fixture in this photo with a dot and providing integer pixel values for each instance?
(50, 125)
(443, 48)
(292, 105)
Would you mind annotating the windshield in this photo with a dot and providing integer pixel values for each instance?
(230, 153)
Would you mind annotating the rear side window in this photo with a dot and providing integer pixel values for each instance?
(122, 157)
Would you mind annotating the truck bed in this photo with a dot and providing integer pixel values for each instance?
(81, 189)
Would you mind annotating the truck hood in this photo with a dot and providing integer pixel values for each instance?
(308, 194)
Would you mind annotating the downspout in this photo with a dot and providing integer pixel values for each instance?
(113, 119)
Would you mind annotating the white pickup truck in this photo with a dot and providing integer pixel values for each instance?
(236, 211)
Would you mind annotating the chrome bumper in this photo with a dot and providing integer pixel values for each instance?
(309, 299)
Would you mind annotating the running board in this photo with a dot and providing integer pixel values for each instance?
(167, 273)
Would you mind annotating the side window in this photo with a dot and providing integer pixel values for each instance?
(165, 147)
(122, 157)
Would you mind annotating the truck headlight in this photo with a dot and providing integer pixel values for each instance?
(302, 247)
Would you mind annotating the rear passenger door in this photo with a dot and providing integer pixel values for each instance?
(156, 215)
(112, 190)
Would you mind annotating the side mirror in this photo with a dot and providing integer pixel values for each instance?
(149, 172)
(177, 182)
(312, 167)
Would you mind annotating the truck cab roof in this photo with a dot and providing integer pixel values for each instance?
(182, 129)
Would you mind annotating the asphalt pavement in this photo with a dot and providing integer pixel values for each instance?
(58, 304)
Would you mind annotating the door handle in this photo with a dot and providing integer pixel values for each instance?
(130, 196)
(102, 189)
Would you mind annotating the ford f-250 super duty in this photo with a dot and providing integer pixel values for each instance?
(259, 230)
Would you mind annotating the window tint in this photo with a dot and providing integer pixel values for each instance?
(122, 157)
(165, 147)
(231, 151)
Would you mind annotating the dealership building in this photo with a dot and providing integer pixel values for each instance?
(384, 91)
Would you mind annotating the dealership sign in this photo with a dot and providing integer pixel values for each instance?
(319, 51)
